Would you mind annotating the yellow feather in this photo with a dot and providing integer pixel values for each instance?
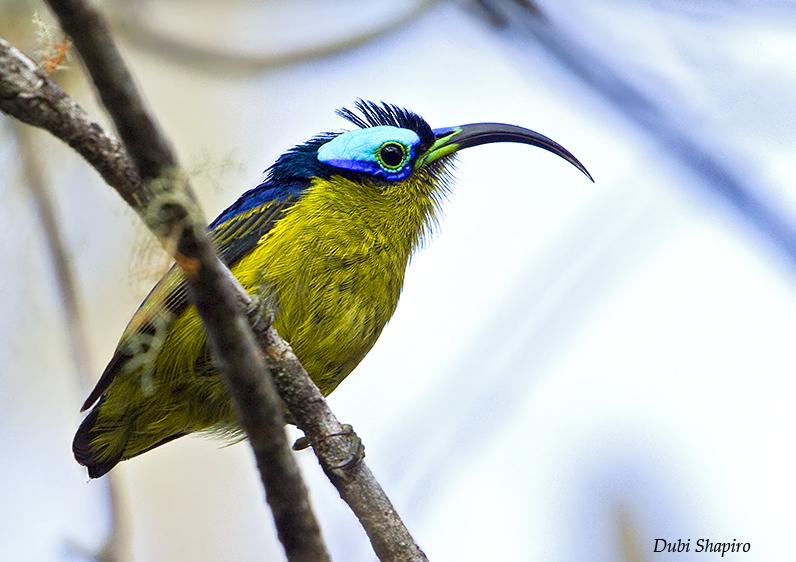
(332, 268)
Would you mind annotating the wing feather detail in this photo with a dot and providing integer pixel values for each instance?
(236, 232)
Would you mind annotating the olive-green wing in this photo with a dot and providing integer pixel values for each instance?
(234, 238)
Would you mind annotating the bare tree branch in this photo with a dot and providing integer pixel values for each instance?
(257, 404)
(218, 295)
(340, 458)
(167, 207)
(148, 148)
(28, 95)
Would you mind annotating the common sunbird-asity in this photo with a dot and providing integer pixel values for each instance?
(325, 239)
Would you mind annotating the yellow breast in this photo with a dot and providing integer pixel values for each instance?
(333, 267)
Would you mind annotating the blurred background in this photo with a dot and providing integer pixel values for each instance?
(574, 370)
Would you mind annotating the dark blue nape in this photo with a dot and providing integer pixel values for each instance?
(263, 193)
(289, 176)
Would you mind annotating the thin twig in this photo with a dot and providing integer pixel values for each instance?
(212, 58)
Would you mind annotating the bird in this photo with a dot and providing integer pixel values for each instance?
(324, 241)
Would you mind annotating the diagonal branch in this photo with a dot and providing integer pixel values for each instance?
(148, 148)
(339, 457)
(173, 214)
(165, 204)
(30, 96)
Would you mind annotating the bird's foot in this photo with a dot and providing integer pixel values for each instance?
(355, 449)
(352, 457)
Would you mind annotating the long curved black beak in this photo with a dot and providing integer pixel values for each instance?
(453, 139)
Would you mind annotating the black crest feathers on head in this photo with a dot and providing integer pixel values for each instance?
(375, 114)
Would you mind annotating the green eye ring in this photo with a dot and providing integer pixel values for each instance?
(392, 156)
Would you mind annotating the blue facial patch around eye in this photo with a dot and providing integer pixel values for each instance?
(358, 151)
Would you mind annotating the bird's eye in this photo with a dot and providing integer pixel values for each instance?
(392, 156)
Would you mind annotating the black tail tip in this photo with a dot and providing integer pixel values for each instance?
(81, 447)
(101, 469)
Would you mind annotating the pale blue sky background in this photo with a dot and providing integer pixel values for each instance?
(569, 361)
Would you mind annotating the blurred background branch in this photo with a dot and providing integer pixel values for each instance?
(65, 279)
(112, 547)
(666, 117)
(134, 27)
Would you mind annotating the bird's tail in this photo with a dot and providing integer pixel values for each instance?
(98, 460)
(101, 446)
